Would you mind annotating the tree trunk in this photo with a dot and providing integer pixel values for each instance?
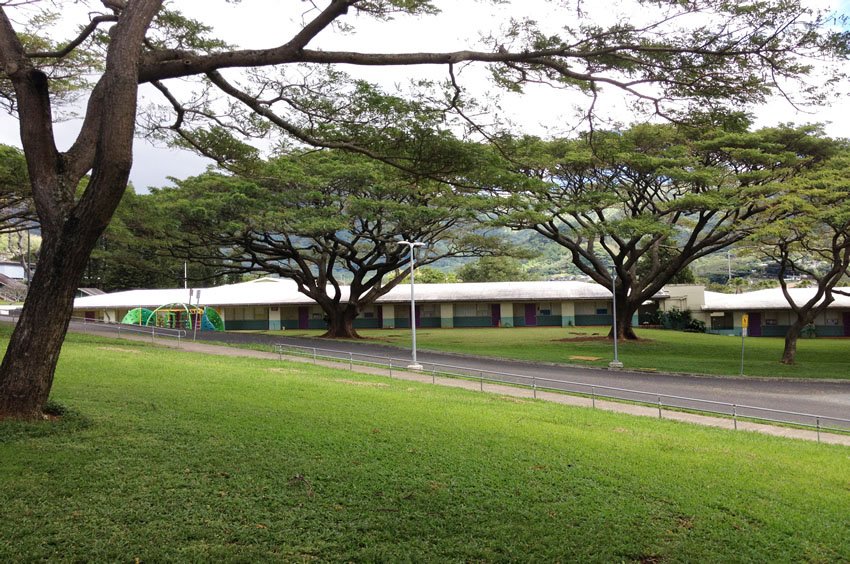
(789, 354)
(625, 331)
(341, 322)
(26, 373)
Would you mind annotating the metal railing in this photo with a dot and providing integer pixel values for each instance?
(734, 411)
(119, 328)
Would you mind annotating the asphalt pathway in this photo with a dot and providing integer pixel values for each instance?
(804, 401)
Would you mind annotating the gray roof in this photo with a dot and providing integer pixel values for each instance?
(769, 299)
(276, 291)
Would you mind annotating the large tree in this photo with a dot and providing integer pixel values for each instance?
(324, 218)
(646, 202)
(714, 52)
(809, 234)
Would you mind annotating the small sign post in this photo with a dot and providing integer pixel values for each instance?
(745, 324)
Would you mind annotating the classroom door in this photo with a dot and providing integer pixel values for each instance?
(755, 324)
(530, 315)
(495, 315)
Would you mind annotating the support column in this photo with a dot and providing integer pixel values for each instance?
(274, 318)
(447, 316)
(388, 315)
(568, 314)
(506, 310)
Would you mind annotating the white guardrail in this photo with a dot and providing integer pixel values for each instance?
(119, 328)
(657, 400)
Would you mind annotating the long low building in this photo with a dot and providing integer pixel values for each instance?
(768, 312)
(274, 303)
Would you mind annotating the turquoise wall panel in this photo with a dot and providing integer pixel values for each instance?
(317, 324)
(482, 321)
(549, 320)
(424, 323)
(246, 325)
(594, 319)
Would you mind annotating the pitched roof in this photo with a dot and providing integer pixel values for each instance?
(769, 299)
(277, 291)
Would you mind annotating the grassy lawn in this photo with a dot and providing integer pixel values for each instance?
(172, 456)
(669, 351)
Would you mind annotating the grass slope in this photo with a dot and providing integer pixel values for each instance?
(173, 456)
(668, 351)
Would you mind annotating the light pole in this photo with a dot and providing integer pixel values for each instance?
(197, 319)
(412, 245)
(616, 362)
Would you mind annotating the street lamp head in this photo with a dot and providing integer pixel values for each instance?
(411, 243)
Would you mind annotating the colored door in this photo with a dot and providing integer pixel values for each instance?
(303, 317)
(380, 316)
(89, 316)
(495, 315)
(418, 316)
(755, 325)
(530, 315)
(847, 323)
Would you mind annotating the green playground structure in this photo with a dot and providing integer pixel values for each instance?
(176, 316)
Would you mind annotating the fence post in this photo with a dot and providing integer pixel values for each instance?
(351, 361)
(735, 416)
(390, 363)
(481, 380)
(314, 355)
(433, 374)
(280, 353)
(818, 426)
(593, 396)
(534, 386)
(659, 407)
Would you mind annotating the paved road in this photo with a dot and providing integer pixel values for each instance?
(828, 400)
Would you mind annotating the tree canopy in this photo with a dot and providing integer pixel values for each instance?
(648, 201)
(808, 233)
(322, 218)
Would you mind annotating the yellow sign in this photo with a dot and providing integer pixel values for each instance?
(745, 321)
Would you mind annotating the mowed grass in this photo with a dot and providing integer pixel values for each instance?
(666, 351)
(173, 456)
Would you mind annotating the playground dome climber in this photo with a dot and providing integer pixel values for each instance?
(176, 316)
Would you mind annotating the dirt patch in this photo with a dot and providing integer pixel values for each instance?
(356, 383)
(118, 349)
(581, 339)
(512, 399)
(598, 339)
(579, 357)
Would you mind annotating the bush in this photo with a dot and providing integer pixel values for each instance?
(695, 326)
(679, 320)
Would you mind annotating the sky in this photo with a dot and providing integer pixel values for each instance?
(540, 110)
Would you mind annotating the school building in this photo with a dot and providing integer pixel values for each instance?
(274, 304)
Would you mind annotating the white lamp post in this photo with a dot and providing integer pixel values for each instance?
(616, 362)
(412, 245)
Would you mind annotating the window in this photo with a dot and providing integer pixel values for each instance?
(602, 311)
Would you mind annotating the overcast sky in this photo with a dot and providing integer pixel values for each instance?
(539, 110)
